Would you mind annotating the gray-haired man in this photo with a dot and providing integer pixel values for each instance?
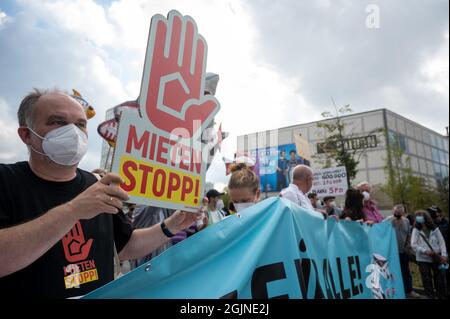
(59, 224)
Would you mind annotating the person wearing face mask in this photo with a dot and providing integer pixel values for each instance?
(215, 206)
(243, 187)
(60, 226)
(441, 222)
(402, 230)
(371, 212)
(330, 206)
(431, 255)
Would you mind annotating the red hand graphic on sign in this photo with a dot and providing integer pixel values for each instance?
(172, 89)
(75, 246)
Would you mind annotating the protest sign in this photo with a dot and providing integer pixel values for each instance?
(302, 147)
(159, 151)
(330, 181)
(108, 131)
(274, 249)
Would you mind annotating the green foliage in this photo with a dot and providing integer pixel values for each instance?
(443, 194)
(402, 186)
(398, 172)
(422, 195)
(226, 197)
(334, 144)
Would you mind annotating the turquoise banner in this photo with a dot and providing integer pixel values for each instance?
(275, 249)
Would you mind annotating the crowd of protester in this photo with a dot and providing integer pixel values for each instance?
(422, 237)
(67, 220)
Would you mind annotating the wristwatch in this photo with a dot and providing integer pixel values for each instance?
(166, 230)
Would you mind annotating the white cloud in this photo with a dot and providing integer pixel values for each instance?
(329, 50)
(11, 147)
(278, 64)
(131, 20)
(83, 17)
(3, 17)
(37, 52)
(435, 70)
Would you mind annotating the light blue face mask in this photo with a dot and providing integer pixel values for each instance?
(443, 266)
(420, 219)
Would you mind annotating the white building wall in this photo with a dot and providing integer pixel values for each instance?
(419, 144)
(372, 122)
(376, 159)
(376, 177)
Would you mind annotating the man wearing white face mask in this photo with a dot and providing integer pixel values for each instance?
(60, 225)
(215, 206)
(370, 209)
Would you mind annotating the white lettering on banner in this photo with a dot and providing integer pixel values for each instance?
(330, 181)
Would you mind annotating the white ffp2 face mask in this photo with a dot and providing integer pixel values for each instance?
(241, 206)
(220, 205)
(65, 145)
(366, 196)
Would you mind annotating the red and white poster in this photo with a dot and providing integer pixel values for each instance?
(330, 181)
(159, 154)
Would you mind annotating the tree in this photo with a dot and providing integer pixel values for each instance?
(226, 197)
(398, 171)
(421, 194)
(443, 194)
(401, 185)
(341, 148)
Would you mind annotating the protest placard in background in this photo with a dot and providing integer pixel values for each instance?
(330, 181)
(302, 147)
(159, 154)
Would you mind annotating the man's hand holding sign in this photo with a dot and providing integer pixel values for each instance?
(61, 231)
(102, 197)
(159, 156)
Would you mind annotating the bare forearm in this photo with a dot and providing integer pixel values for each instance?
(23, 244)
(143, 242)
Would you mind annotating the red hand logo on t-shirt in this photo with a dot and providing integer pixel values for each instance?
(76, 248)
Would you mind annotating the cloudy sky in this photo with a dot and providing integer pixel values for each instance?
(279, 61)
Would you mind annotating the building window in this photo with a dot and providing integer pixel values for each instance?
(439, 143)
(395, 138)
(435, 155)
(441, 157)
(426, 138)
(444, 171)
(437, 170)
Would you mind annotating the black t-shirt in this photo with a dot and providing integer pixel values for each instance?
(81, 261)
